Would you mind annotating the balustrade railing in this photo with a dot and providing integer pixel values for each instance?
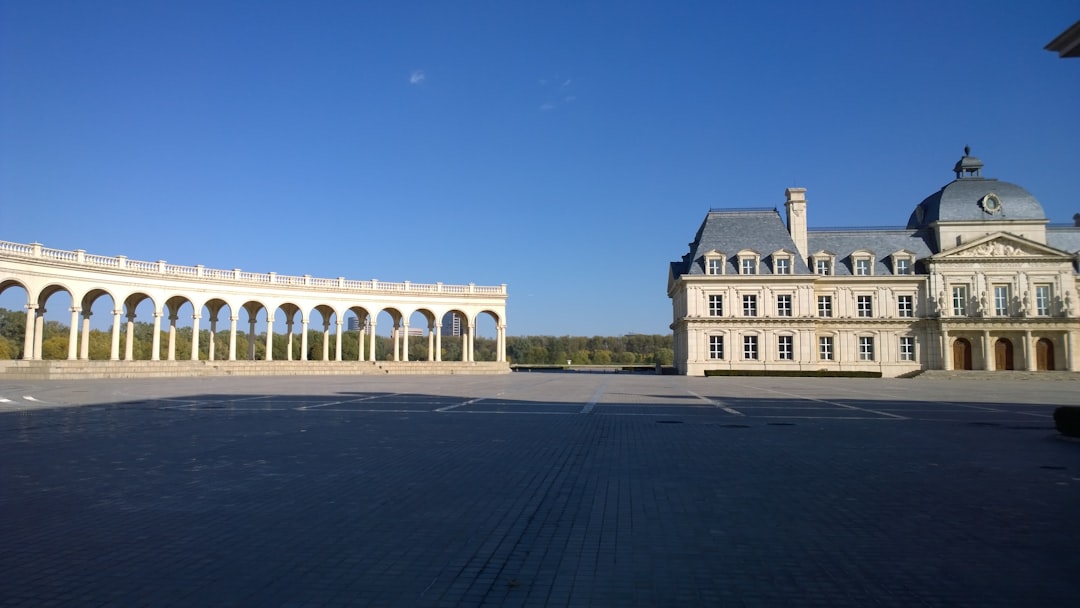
(159, 268)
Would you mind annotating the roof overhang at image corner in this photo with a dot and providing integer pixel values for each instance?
(1067, 43)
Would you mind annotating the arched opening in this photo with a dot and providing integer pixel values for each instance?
(218, 315)
(387, 345)
(136, 332)
(961, 354)
(421, 338)
(455, 335)
(1044, 355)
(325, 342)
(98, 344)
(51, 337)
(486, 343)
(250, 343)
(14, 298)
(355, 346)
(1003, 354)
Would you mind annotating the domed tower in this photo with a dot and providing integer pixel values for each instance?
(972, 206)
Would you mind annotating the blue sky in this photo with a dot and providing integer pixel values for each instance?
(567, 149)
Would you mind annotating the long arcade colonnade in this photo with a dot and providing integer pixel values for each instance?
(45, 272)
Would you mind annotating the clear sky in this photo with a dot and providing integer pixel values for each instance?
(567, 149)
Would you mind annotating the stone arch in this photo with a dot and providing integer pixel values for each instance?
(487, 344)
(136, 346)
(253, 346)
(54, 345)
(12, 349)
(329, 348)
(362, 319)
(94, 345)
(456, 335)
(390, 348)
(422, 338)
(214, 308)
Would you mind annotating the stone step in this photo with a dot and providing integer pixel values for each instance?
(82, 370)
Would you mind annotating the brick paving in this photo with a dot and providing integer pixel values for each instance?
(537, 490)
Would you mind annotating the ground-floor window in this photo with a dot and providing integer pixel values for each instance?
(716, 347)
(785, 348)
(825, 348)
(866, 348)
(907, 348)
(750, 347)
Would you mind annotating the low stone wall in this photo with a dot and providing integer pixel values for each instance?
(85, 370)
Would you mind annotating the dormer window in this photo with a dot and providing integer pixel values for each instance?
(823, 263)
(903, 263)
(748, 262)
(782, 265)
(714, 262)
(862, 263)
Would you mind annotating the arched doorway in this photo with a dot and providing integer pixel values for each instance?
(961, 349)
(1044, 355)
(1003, 354)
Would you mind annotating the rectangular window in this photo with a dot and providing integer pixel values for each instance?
(864, 306)
(749, 266)
(959, 300)
(783, 266)
(862, 267)
(716, 347)
(716, 305)
(825, 348)
(1001, 300)
(715, 266)
(785, 348)
(907, 348)
(749, 346)
(905, 306)
(1042, 300)
(783, 306)
(821, 266)
(749, 306)
(824, 306)
(903, 266)
(866, 348)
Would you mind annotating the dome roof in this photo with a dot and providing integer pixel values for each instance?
(971, 198)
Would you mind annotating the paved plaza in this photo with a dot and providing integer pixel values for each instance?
(538, 489)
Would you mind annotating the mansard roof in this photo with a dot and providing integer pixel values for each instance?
(881, 242)
(736, 230)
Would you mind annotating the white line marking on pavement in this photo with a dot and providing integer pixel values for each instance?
(30, 398)
(595, 397)
(718, 404)
(845, 406)
(368, 398)
(2, 400)
(457, 405)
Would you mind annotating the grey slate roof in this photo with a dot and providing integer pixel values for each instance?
(1066, 238)
(881, 242)
(959, 201)
(731, 231)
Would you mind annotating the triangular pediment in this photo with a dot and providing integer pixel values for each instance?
(1002, 245)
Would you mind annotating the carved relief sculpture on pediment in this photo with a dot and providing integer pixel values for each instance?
(993, 249)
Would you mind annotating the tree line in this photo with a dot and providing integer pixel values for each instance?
(543, 350)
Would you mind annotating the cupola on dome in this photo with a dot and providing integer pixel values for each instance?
(971, 197)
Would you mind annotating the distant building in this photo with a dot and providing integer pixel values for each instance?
(451, 324)
(977, 279)
(352, 324)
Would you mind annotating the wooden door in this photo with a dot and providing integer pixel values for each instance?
(1003, 354)
(1044, 355)
(961, 358)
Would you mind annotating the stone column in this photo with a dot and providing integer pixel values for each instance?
(289, 339)
(431, 342)
(405, 341)
(269, 337)
(1071, 360)
(84, 347)
(195, 336)
(232, 336)
(946, 350)
(371, 340)
(129, 337)
(303, 339)
(438, 342)
(28, 332)
(472, 343)
(213, 338)
(988, 358)
(73, 335)
(1029, 351)
(502, 343)
(39, 332)
(155, 340)
(114, 352)
(171, 356)
(338, 340)
(326, 340)
(251, 337)
(394, 338)
(360, 344)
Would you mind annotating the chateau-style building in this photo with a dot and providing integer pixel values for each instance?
(977, 279)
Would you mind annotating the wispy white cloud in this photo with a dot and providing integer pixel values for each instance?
(547, 106)
(559, 92)
(417, 77)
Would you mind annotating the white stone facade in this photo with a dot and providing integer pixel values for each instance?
(44, 272)
(957, 288)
